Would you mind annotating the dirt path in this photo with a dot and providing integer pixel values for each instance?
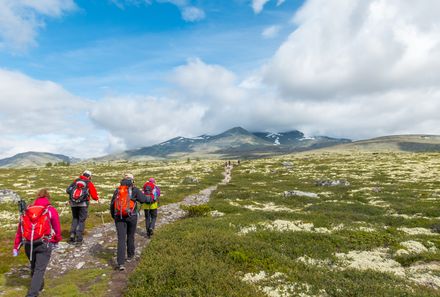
(101, 242)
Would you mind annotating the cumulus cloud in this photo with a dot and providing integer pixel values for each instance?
(271, 32)
(135, 121)
(43, 116)
(345, 48)
(21, 19)
(366, 68)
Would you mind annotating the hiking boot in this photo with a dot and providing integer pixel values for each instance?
(79, 243)
(149, 232)
(121, 268)
(129, 259)
(71, 240)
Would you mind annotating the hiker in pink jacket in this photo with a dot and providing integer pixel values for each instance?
(39, 231)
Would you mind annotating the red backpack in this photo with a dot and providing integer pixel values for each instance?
(79, 192)
(123, 204)
(35, 223)
(150, 190)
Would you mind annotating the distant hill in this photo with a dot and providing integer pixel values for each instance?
(399, 143)
(233, 143)
(31, 159)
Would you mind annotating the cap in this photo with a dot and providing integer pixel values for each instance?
(87, 173)
(128, 176)
(152, 180)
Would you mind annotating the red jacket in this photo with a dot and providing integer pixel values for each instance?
(54, 221)
(92, 189)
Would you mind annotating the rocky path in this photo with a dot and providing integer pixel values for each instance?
(101, 242)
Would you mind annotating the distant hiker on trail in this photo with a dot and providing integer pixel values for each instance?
(123, 209)
(153, 191)
(39, 231)
(80, 191)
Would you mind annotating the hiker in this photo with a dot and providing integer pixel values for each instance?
(123, 209)
(150, 210)
(39, 231)
(80, 191)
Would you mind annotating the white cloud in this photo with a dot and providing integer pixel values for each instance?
(258, 5)
(189, 13)
(21, 19)
(41, 115)
(271, 32)
(192, 14)
(135, 121)
(348, 48)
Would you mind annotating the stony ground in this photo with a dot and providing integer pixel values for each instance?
(99, 248)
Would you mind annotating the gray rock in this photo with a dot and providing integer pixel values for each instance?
(7, 196)
(332, 183)
(287, 164)
(300, 194)
(190, 180)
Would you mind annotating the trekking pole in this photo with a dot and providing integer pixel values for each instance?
(21, 206)
(63, 209)
(102, 218)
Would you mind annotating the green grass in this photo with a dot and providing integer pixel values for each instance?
(170, 176)
(188, 250)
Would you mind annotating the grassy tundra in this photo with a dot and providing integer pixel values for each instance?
(171, 176)
(369, 235)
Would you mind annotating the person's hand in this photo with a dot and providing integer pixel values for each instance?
(14, 252)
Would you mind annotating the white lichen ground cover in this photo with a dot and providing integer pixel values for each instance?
(386, 213)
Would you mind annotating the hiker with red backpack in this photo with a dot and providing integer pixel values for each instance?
(153, 191)
(39, 230)
(123, 209)
(80, 191)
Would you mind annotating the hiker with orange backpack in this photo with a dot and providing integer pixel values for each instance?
(151, 189)
(123, 209)
(39, 231)
(80, 191)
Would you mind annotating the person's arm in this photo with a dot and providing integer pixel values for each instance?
(18, 238)
(56, 226)
(140, 197)
(157, 191)
(112, 207)
(92, 192)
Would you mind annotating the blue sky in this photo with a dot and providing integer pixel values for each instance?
(90, 77)
(101, 47)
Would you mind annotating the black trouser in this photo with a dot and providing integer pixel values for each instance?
(150, 218)
(40, 258)
(79, 216)
(125, 228)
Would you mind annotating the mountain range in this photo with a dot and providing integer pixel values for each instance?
(233, 143)
(30, 159)
(238, 143)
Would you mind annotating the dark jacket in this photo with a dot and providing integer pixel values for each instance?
(136, 196)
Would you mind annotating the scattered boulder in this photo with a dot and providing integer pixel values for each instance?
(300, 193)
(7, 196)
(288, 165)
(376, 189)
(332, 183)
(190, 180)
(216, 213)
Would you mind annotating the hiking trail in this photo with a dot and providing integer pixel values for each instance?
(99, 248)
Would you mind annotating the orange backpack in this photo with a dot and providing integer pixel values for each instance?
(124, 205)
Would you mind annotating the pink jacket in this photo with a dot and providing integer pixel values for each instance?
(54, 221)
